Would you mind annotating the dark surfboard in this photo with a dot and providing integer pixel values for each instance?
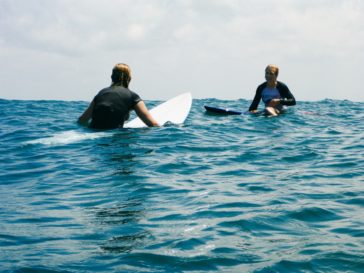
(221, 111)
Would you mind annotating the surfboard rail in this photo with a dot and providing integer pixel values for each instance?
(221, 111)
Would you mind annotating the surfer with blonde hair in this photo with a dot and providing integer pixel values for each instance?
(111, 107)
(275, 94)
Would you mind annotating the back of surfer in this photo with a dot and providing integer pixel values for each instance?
(111, 107)
(273, 93)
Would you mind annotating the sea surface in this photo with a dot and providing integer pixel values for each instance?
(216, 194)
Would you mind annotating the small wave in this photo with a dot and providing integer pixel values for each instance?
(67, 137)
(315, 214)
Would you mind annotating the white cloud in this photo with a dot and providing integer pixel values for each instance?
(213, 48)
(136, 32)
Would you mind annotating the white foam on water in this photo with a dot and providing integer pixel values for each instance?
(67, 137)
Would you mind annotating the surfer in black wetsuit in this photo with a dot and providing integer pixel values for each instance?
(273, 93)
(110, 108)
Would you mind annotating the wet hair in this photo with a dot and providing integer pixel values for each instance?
(274, 68)
(121, 75)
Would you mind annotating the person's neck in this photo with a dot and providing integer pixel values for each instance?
(118, 84)
(272, 84)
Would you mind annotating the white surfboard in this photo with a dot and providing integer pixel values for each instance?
(174, 110)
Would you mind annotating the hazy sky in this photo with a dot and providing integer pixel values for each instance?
(65, 49)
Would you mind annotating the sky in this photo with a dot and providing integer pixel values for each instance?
(65, 49)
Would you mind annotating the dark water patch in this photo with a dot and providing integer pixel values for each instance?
(339, 261)
(288, 266)
(189, 244)
(178, 264)
(314, 214)
(355, 232)
(234, 205)
(9, 240)
(354, 201)
(36, 270)
(124, 243)
(257, 188)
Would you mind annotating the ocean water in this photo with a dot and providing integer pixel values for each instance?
(217, 194)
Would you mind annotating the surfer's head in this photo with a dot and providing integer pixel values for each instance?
(272, 69)
(121, 75)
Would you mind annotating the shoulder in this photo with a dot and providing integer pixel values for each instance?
(281, 84)
(135, 97)
(282, 87)
(133, 92)
(261, 87)
(102, 91)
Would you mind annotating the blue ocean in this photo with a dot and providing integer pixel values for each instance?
(216, 194)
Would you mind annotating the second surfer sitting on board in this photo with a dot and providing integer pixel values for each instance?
(111, 106)
(273, 93)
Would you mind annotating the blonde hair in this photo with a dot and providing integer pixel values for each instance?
(273, 68)
(121, 75)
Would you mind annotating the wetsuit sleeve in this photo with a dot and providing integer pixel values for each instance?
(256, 100)
(287, 97)
(135, 98)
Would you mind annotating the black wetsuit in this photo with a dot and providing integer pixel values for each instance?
(112, 106)
(286, 96)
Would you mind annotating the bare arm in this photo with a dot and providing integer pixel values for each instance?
(86, 116)
(143, 113)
